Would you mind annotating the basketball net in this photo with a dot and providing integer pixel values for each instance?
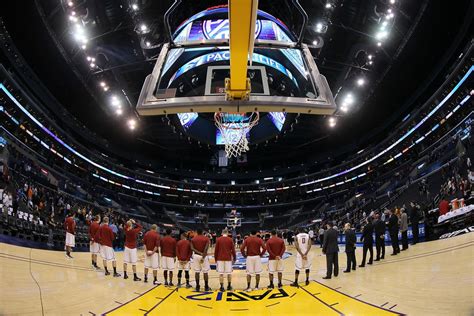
(234, 128)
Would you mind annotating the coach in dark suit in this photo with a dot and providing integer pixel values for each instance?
(350, 247)
(393, 231)
(368, 239)
(379, 228)
(415, 219)
(330, 249)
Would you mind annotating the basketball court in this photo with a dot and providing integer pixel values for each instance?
(417, 282)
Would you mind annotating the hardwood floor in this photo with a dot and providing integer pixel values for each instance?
(433, 278)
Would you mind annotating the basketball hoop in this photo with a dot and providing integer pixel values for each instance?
(234, 128)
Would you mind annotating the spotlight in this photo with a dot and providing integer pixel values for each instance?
(80, 34)
(381, 35)
(102, 84)
(148, 44)
(135, 7)
(320, 27)
(232, 182)
(392, 1)
(343, 109)
(70, 3)
(84, 47)
(371, 62)
(119, 111)
(370, 57)
(132, 124)
(92, 65)
(315, 42)
(360, 82)
(389, 10)
(379, 44)
(332, 122)
(328, 6)
(115, 101)
(143, 28)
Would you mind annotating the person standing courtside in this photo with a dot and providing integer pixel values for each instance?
(303, 259)
(393, 231)
(276, 248)
(93, 245)
(70, 227)
(351, 240)
(200, 246)
(224, 254)
(168, 256)
(151, 240)
(331, 249)
(253, 249)
(414, 218)
(367, 238)
(130, 249)
(184, 254)
(106, 236)
(379, 228)
(404, 228)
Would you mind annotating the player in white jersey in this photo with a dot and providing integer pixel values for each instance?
(303, 258)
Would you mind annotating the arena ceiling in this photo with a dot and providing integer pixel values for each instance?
(388, 70)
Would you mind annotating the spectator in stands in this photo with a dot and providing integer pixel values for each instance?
(404, 228)
(51, 227)
(393, 230)
(443, 206)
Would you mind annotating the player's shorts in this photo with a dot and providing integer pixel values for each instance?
(152, 262)
(70, 240)
(107, 253)
(167, 263)
(184, 265)
(199, 266)
(301, 264)
(224, 267)
(130, 255)
(275, 266)
(94, 247)
(254, 265)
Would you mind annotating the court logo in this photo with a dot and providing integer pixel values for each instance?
(237, 296)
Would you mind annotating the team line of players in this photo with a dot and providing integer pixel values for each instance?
(192, 254)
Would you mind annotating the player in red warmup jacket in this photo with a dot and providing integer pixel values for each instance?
(276, 248)
(253, 249)
(168, 256)
(70, 227)
(200, 245)
(225, 256)
(130, 251)
(105, 236)
(94, 246)
(184, 253)
(151, 240)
